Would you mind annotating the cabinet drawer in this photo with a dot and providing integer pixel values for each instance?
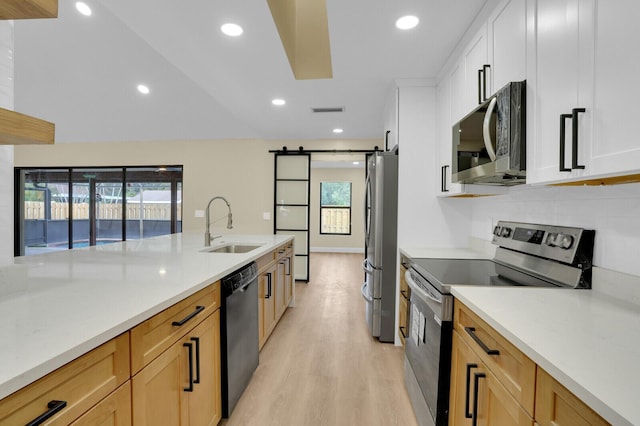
(155, 335)
(512, 368)
(81, 384)
(114, 410)
(264, 261)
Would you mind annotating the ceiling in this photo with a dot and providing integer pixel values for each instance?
(82, 72)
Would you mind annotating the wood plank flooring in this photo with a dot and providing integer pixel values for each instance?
(320, 366)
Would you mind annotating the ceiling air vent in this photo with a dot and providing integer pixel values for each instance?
(330, 109)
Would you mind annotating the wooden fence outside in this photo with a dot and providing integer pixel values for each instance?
(335, 220)
(60, 211)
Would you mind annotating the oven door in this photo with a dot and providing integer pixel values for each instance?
(428, 350)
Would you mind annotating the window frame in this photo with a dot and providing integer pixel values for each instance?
(349, 208)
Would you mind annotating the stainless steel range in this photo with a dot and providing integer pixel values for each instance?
(530, 255)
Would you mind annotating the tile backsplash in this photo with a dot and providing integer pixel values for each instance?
(613, 211)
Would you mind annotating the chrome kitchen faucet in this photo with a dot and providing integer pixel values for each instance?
(207, 235)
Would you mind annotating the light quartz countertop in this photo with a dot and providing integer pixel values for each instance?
(58, 306)
(587, 341)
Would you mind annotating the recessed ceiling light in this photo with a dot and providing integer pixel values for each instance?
(356, 163)
(278, 102)
(233, 30)
(143, 89)
(407, 22)
(83, 8)
(337, 130)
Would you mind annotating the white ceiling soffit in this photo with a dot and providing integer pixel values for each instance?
(81, 72)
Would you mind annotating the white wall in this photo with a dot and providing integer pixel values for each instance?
(6, 152)
(613, 211)
(353, 243)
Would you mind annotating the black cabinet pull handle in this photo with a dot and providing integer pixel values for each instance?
(197, 341)
(563, 135)
(402, 331)
(479, 87)
(574, 138)
(476, 379)
(467, 391)
(404, 294)
(268, 295)
(485, 67)
(184, 320)
(190, 347)
(52, 408)
(485, 348)
(444, 178)
(288, 259)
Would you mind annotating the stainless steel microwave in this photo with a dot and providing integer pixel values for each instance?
(489, 144)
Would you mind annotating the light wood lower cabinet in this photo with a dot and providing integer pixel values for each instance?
(114, 410)
(477, 396)
(555, 405)
(403, 310)
(182, 385)
(75, 388)
(266, 303)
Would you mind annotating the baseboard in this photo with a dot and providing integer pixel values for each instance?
(337, 249)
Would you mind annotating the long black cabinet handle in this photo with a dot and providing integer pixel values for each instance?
(288, 259)
(467, 392)
(443, 178)
(476, 380)
(479, 86)
(197, 342)
(404, 294)
(485, 348)
(190, 347)
(268, 295)
(402, 331)
(184, 320)
(574, 138)
(563, 136)
(52, 408)
(485, 67)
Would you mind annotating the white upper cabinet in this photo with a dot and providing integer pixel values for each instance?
(391, 120)
(443, 137)
(582, 95)
(615, 146)
(507, 30)
(560, 79)
(476, 71)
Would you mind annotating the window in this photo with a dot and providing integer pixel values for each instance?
(63, 208)
(335, 208)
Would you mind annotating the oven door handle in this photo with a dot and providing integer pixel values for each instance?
(363, 290)
(415, 287)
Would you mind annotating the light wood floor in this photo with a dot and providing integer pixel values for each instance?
(320, 366)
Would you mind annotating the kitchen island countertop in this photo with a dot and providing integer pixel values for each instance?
(57, 306)
(588, 341)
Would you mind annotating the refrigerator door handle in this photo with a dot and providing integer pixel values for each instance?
(367, 267)
(363, 290)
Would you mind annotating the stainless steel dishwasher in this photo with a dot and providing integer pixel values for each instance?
(239, 333)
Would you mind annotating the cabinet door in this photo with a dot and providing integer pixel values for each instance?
(391, 120)
(444, 137)
(615, 144)
(205, 403)
(476, 392)
(507, 44)
(266, 303)
(114, 410)
(560, 79)
(281, 304)
(158, 395)
(475, 58)
(555, 405)
(288, 280)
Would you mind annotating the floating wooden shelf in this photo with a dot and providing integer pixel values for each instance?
(28, 9)
(20, 129)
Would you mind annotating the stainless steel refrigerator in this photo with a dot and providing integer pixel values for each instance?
(381, 225)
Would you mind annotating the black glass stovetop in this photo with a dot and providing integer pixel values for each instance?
(443, 273)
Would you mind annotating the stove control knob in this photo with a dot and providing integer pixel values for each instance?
(551, 239)
(566, 241)
(496, 230)
(505, 232)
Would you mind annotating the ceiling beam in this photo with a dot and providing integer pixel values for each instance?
(304, 31)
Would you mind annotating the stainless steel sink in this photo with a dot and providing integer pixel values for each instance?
(233, 248)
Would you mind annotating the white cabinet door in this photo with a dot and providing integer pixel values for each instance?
(560, 79)
(456, 91)
(615, 146)
(507, 31)
(391, 120)
(475, 59)
(444, 140)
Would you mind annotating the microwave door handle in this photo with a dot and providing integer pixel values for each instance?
(486, 131)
